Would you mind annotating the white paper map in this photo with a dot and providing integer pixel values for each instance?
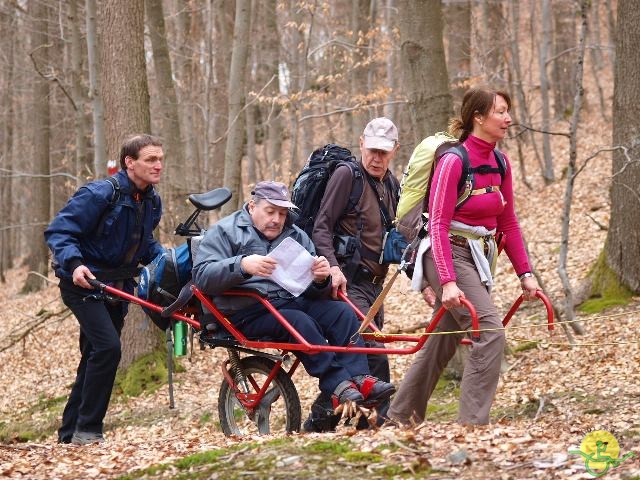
(293, 271)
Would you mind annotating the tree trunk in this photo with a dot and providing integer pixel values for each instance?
(492, 43)
(520, 109)
(174, 188)
(123, 76)
(95, 95)
(186, 91)
(547, 172)
(359, 72)
(623, 237)
(41, 134)
(237, 82)
(7, 216)
(82, 163)
(271, 112)
(424, 69)
(563, 66)
(458, 34)
(571, 168)
(126, 102)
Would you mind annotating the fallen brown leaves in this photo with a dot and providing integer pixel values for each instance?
(550, 396)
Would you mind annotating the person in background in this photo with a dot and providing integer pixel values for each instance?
(459, 263)
(234, 253)
(362, 275)
(104, 231)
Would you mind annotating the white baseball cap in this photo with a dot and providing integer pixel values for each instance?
(380, 134)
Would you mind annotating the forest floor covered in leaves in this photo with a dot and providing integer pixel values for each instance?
(550, 396)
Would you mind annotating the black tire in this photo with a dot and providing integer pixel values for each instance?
(279, 411)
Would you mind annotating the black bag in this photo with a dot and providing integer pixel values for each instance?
(161, 280)
(308, 188)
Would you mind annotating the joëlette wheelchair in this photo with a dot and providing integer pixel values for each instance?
(257, 394)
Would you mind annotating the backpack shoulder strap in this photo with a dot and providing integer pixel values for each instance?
(466, 182)
(116, 190)
(115, 196)
(501, 162)
(358, 186)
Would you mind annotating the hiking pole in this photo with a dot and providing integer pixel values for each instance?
(413, 247)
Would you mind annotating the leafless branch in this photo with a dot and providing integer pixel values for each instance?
(49, 76)
(527, 127)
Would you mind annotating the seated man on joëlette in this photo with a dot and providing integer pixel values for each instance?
(233, 253)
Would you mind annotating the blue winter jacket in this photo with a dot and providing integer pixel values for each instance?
(90, 231)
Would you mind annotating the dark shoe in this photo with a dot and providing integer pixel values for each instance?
(346, 390)
(373, 390)
(321, 418)
(86, 438)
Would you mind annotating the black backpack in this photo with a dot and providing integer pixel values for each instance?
(308, 188)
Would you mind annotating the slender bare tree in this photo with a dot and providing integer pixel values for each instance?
(174, 186)
(563, 60)
(41, 134)
(237, 81)
(457, 16)
(547, 172)
(97, 107)
(78, 95)
(7, 216)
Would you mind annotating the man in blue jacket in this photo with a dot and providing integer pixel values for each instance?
(235, 253)
(104, 231)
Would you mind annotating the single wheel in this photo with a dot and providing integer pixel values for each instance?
(279, 410)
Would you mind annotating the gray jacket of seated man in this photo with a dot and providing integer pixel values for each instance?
(217, 264)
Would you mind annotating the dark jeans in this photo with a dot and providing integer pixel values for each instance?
(100, 327)
(319, 322)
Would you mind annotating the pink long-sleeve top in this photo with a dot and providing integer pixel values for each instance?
(490, 210)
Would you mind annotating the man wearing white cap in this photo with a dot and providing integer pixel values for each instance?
(361, 274)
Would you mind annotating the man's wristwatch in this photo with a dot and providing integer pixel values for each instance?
(525, 275)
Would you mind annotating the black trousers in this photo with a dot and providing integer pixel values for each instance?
(100, 327)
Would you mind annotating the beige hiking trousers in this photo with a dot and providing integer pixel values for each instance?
(482, 370)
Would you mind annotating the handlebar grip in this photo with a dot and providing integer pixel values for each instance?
(95, 283)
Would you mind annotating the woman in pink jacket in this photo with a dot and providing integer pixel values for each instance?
(461, 260)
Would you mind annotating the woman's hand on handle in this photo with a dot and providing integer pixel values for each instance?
(429, 296)
(529, 288)
(451, 295)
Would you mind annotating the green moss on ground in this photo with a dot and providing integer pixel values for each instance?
(289, 457)
(606, 289)
(443, 404)
(36, 423)
(42, 419)
(146, 374)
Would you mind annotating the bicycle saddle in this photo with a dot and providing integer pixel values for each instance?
(210, 200)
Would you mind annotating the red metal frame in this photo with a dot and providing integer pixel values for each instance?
(251, 400)
(247, 399)
(303, 345)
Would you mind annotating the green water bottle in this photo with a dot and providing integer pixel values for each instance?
(180, 338)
